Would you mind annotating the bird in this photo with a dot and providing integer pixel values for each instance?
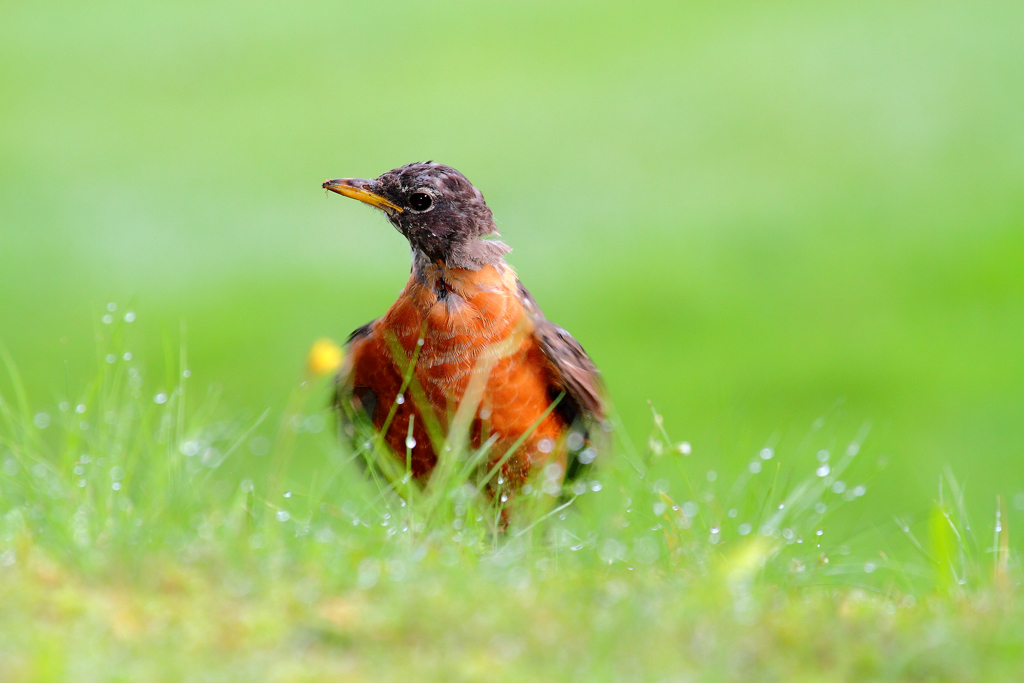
(465, 332)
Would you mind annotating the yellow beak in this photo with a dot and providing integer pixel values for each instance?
(361, 189)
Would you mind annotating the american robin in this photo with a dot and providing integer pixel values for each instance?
(462, 315)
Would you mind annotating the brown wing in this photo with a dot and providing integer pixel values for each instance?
(583, 406)
(344, 391)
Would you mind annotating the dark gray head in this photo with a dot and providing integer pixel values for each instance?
(437, 209)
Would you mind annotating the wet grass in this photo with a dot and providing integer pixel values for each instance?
(145, 537)
(777, 221)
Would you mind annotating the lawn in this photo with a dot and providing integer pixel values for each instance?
(141, 543)
(776, 225)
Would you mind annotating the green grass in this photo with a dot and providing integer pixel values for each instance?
(144, 537)
(777, 222)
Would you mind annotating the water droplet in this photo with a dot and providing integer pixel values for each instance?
(823, 455)
(545, 445)
(259, 445)
(111, 358)
(283, 516)
(744, 529)
(852, 449)
(107, 319)
(684, 447)
(129, 317)
(820, 508)
(819, 532)
(400, 399)
(711, 475)
(186, 374)
(127, 355)
(504, 498)
(587, 456)
(287, 494)
(690, 509)
(838, 486)
(659, 509)
(160, 398)
(755, 467)
(64, 406)
(595, 486)
(246, 486)
(314, 424)
(823, 471)
(574, 441)
(578, 488)
(552, 471)
(80, 408)
(111, 307)
(859, 491)
(116, 486)
(41, 420)
(870, 567)
(419, 342)
(732, 513)
(485, 414)
(767, 453)
(782, 505)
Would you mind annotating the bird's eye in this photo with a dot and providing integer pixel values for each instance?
(420, 201)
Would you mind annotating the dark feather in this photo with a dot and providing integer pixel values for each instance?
(346, 397)
(574, 374)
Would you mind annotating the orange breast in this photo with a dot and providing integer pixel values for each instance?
(476, 329)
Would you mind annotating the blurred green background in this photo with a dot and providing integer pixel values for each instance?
(754, 215)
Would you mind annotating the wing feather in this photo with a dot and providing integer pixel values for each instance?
(344, 392)
(572, 372)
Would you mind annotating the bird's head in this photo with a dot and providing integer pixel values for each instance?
(437, 209)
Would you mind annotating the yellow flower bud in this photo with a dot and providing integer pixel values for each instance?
(324, 357)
